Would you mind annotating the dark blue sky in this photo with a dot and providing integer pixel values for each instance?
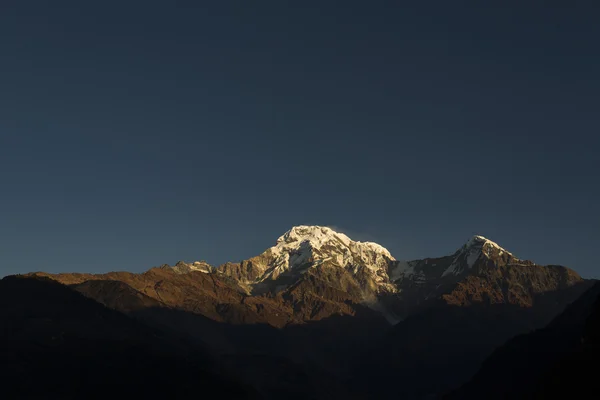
(139, 133)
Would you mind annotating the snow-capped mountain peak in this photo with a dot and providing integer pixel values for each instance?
(304, 247)
(318, 237)
(477, 247)
(480, 241)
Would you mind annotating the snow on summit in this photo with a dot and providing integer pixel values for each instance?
(480, 240)
(318, 237)
(305, 246)
(467, 255)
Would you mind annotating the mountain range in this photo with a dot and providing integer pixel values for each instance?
(319, 315)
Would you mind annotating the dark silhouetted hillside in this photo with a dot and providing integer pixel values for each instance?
(57, 344)
(558, 361)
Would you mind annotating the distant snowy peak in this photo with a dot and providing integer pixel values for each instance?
(319, 237)
(184, 268)
(481, 242)
(304, 247)
(476, 248)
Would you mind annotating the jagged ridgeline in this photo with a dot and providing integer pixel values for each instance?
(319, 315)
(313, 272)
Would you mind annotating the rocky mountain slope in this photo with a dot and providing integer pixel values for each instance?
(320, 300)
(305, 248)
(457, 310)
(314, 272)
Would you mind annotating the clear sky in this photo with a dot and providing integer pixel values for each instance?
(137, 133)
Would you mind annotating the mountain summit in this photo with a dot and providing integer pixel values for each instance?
(311, 247)
(314, 271)
(318, 237)
(304, 247)
(472, 251)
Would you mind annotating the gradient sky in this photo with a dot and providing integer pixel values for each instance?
(134, 134)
